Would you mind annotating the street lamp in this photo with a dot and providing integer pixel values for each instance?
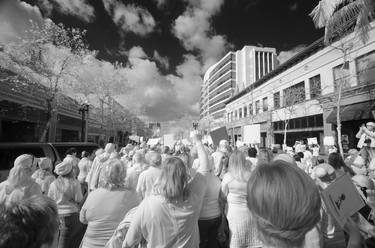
(195, 125)
(83, 110)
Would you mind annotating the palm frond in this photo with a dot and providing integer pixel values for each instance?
(365, 15)
(342, 20)
(323, 12)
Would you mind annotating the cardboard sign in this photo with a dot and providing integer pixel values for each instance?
(219, 134)
(251, 134)
(329, 141)
(169, 140)
(153, 142)
(312, 141)
(342, 199)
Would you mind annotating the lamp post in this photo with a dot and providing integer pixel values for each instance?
(83, 110)
(195, 125)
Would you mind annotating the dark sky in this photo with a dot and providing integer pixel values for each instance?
(274, 23)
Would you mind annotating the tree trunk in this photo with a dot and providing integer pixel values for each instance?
(285, 129)
(338, 120)
(43, 137)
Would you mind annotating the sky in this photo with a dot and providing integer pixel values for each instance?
(166, 45)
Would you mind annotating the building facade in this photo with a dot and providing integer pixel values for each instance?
(233, 73)
(302, 93)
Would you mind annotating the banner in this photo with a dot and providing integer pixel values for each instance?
(219, 134)
(251, 134)
(169, 140)
(134, 138)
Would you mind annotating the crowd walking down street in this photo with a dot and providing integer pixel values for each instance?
(132, 197)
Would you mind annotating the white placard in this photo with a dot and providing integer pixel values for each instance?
(329, 141)
(153, 142)
(169, 140)
(251, 134)
(312, 141)
(134, 138)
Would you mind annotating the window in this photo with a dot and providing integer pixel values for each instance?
(366, 68)
(265, 104)
(235, 114)
(256, 66)
(251, 109)
(294, 94)
(341, 75)
(257, 107)
(240, 113)
(228, 117)
(261, 64)
(315, 86)
(231, 116)
(276, 100)
(245, 112)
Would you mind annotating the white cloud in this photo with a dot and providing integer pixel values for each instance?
(193, 29)
(164, 62)
(285, 55)
(160, 3)
(136, 53)
(130, 18)
(81, 9)
(15, 19)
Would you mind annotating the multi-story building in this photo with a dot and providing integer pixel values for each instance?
(231, 74)
(315, 75)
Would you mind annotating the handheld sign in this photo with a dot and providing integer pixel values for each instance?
(342, 199)
(169, 140)
(251, 134)
(312, 141)
(219, 134)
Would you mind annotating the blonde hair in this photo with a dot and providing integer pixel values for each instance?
(285, 203)
(19, 175)
(237, 166)
(113, 175)
(173, 181)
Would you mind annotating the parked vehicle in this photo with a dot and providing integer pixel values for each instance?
(55, 151)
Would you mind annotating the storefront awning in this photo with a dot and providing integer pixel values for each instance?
(357, 111)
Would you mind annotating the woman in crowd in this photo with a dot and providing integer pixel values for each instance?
(336, 161)
(169, 218)
(252, 156)
(66, 192)
(43, 176)
(241, 226)
(286, 205)
(84, 166)
(211, 214)
(103, 220)
(19, 184)
(264, 156)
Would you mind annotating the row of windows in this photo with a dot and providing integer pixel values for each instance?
(263, 64)
(222, 63)
(297, 123)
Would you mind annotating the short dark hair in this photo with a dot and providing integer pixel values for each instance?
(70, 151)
(300, 154)
(29, 223)
(252, 152)
(297, 158)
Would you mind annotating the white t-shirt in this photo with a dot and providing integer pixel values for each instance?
(147, 180)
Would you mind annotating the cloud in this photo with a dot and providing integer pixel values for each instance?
(16, 18)
(285, 55)
(160, 3)
(193, 29)
(77, 8)
(163, 61)
(130, 18)
(136, 53)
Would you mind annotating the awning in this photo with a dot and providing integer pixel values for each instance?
(357, 111)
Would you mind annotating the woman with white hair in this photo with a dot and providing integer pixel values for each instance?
(241, 225)
(66, 192)
(19, 184)
(93, 176)
(169, 218)
(103, 220)
(43, 176)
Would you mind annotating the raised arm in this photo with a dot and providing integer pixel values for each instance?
(202, 154)
(368, 132)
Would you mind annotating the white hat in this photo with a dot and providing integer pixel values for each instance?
(45, 163)
(372, 124)
(363, 181)
(24, 160)
(64, 168)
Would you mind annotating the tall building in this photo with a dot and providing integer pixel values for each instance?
(231, 74)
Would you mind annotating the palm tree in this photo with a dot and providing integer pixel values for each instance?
(340, 16)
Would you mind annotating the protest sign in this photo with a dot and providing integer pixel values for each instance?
(329, 141)
(134, 138)
(251, 134)
(169, 140)
(219, 134)
(342, 199)
(312, 141)
(153, 142)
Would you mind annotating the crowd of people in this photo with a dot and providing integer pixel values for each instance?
(184, 196)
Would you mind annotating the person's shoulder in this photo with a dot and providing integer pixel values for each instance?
(227, 178)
